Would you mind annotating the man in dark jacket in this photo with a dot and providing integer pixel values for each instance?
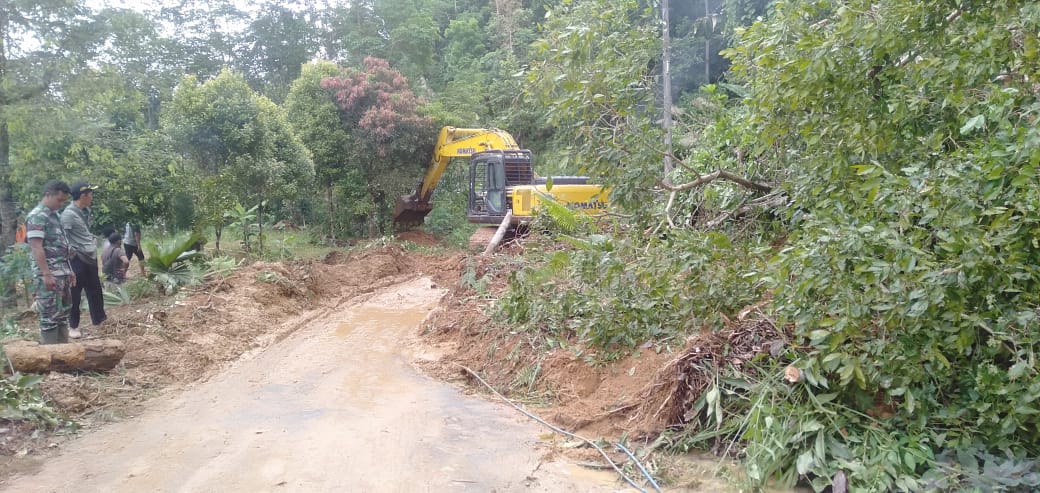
(76, 219)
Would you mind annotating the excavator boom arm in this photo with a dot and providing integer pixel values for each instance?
(451, 143)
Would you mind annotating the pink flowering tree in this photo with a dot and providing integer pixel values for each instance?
(389, 140)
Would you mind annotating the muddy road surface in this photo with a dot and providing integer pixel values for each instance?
(334, 406)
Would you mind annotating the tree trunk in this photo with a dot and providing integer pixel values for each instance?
(260, 229)
(95, 355)
(707, 44)
(666, 76)
(500, 233)
(8, 208)
(8, 222)
(332, 209)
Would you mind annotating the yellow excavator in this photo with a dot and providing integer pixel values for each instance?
(502, 182)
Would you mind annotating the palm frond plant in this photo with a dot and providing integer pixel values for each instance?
(170, 265)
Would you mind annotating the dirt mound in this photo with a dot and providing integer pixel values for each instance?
(637, 396)
(418, 237)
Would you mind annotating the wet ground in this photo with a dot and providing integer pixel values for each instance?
(336, 406)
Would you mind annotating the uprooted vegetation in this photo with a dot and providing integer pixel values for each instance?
(690, 342)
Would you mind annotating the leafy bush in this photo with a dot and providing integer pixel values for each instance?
(116, 295)
(616, 293)
(220, 267)
(15, 274)
(20, 400)
(243, 221)
(170, 265)
(912, 275)
(140, 288)
(8, 327)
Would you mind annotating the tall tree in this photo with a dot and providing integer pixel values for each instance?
(240, 146)
(388, 137)
(353, 33)
(274, 47)
(205, 34)
(40, 41)
(315, 119)
(411, 34)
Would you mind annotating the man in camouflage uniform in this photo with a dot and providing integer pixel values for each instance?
(52, 273)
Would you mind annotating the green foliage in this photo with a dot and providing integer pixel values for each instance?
(117, 295)
(277, 43)
(315, 119)
(554, 216)
(244, 222)
(590, 71)
(910, 276)
(20, 400)
(169, 265)
(8, 326)
(478, 282)
(240, 144)
(388, 136)
(140, 288)
(220, 267)
(447, 220)
(613, 293)
(15, 274)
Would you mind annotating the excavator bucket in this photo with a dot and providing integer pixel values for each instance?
(410, 211)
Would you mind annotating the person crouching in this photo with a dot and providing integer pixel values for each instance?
(114, 261)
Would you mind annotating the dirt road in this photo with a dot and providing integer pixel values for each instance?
(336, 406)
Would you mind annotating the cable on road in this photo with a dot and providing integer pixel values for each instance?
(640, 466)
(567, 433)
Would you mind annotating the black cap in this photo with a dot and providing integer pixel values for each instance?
(80, 188)
(55, 186)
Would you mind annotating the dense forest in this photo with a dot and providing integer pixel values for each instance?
(145, 102)
(862, 174)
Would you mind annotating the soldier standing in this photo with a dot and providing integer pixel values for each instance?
(53, 277)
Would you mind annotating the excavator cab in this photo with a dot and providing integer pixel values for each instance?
(492, 175)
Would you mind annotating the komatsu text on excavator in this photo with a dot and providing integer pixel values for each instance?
(501, 181)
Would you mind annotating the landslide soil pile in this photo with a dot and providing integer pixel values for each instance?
(637, 397)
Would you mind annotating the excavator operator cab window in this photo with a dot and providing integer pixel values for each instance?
(496, 187)
(488, 186)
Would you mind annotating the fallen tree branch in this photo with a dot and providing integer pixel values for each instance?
(708, 178)
(774, 199)
(563, 432)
